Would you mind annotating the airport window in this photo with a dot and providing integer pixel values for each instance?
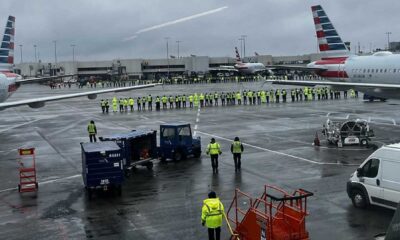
(381, 70)
(376, 70)
(372, 70)
(364, 71)
(370, 169)
(394, 70)
(385, 70)
(368, 71)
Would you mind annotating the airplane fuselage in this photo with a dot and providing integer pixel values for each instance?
(249, 68)
(379, 68)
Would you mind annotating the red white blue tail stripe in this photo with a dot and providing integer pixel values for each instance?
(330, 43)
(238, 59)
(7, 46)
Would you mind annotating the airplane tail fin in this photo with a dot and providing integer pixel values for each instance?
(7, 46)
(330, 43)
(238, 59)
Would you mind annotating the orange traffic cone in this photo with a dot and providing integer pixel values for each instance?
(316, 140)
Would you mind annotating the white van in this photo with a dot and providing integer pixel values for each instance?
(377, 180)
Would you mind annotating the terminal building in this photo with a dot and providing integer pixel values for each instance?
(150, 68)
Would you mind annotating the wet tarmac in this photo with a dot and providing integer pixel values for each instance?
(165, 203)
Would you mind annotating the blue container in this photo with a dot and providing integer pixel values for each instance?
(139, 147)
(102, 166)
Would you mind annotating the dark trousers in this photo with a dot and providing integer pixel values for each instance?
(214, 162)
(237, 159)
(92, 137)
(214, 233)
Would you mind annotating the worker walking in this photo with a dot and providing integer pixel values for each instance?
(236, 150)
(211, 216)
(214, 149)
(92, 130)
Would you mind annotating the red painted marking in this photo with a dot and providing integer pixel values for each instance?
(320, 34)
(10, 74)
(323, 47)
(333, 74)
(10, 59)
(316, 20)
(328, 61)
(11, 46)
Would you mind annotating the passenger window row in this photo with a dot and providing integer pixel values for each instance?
(363, 70)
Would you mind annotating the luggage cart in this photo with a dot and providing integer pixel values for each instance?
(276, 215)
(27, 170)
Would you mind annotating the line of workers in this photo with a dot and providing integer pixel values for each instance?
(247, 97)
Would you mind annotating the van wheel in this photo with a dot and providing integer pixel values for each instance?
(359, 199)
(178, 156)
(364, 142)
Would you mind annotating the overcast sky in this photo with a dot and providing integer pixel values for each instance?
(100, 28)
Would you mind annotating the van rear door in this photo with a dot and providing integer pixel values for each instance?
(370, 176)
(391, 182)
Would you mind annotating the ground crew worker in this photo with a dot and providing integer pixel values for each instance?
(201, 97)
(107, 105)
(258, 97)
(92, 130)
(236, 150)
(216, 98)
(250, 97)
(284, 95)
(191, 101)
(139, 103)
(239, 98)
(211, 215)
(103, 105)
(115, 105)
(196, 100)
(126, 102)
(144, 103)
(171, 101)
(131, 103)
(164, 100)
(214, 149)
(121, 105)
(267, 95)
(184, 99)
(150, 102)
(158, 103)
(277, 94)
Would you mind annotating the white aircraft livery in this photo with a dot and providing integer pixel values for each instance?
(10, 81)
(376, 75)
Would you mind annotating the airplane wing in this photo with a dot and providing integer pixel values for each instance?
(224, 68)
(296, 67)
(29, 80)
(40, 102)
(337, 84)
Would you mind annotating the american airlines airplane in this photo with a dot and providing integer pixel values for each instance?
(244, 68)
(10, 81)
(376, 75)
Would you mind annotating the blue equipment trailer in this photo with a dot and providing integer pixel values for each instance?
(177, 142)
(102, 166)
(139, 147)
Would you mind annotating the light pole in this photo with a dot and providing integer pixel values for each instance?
(388, 38)
(166, 39)
(241, 46)
(35, 52)
(178, 46)
(244, 44)
(20, 47)
(55, 51)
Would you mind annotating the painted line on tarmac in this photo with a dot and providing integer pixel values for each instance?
(197, 121)
(279, 153)
(20, 125)
(45, 182)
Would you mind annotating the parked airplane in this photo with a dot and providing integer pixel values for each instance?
(376, 75)
(244, 68)
(10, 81)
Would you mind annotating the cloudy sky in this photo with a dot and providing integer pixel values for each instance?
(100, 29)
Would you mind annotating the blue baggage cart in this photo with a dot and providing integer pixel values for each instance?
(102, 166)
(139, 147)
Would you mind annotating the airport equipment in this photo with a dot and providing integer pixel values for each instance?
(102, 166)
(377, 180)
(177, 142)
(27, 170)
(348, 132)
(276, 215)
(139, 147)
